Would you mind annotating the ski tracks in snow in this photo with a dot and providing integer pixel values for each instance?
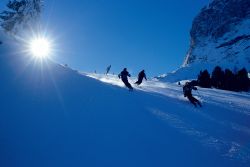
(225, 147)
(224, 109)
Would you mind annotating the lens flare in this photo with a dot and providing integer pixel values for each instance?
(40, 48)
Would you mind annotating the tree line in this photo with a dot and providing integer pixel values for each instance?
(224, 79)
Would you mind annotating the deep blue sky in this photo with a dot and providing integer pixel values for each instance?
(137, 34)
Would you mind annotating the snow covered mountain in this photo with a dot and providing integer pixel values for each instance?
(51, 115)
(220, 35)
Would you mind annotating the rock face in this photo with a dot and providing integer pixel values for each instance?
(220, 35)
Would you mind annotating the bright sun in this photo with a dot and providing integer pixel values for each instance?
(40, 48)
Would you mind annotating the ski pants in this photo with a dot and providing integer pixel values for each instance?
(193, 100)
(125, 81)
(139, 81)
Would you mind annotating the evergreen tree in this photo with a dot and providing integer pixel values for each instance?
(229, 80)
(225, 80)
(20, 15)
(217, 78)
(204, 79)
(242, 80)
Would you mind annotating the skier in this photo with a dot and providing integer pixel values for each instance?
(108, 69)
(141, 75)
(187, 91)
(124, 76)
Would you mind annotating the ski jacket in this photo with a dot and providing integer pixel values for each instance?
(124, 75)
(187, 90)
(108, 69)
(142, 75)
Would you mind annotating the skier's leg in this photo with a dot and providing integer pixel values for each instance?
(197, 101)
(140, 81)
(127, 84)
(191, 99)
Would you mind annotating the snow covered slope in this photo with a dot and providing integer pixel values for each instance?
(51, 115)
(220, 35)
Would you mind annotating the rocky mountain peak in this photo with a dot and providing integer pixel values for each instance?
(220, 34)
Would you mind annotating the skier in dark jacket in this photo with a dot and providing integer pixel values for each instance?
(187, 91)
(141, 75)
(124, 76)
(108, 69)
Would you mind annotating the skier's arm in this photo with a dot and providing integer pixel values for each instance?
(119, 75)
(129, 75)
(145, 77)
(194, 88)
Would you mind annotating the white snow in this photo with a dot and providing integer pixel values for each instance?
(218, 106)
(51, 115)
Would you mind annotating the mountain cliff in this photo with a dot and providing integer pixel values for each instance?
(220, 35)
